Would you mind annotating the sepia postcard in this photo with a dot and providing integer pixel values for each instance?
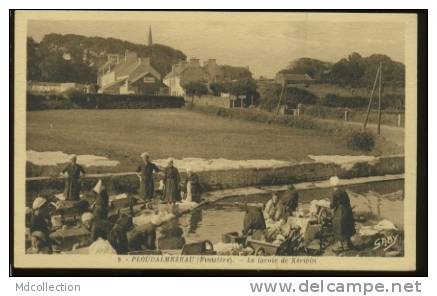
(215, 140)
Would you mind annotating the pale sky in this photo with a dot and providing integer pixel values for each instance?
(266, 43)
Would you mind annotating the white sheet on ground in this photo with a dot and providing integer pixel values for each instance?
(346, 161)
(51, 158)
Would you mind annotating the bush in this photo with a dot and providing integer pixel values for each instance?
(395, 102)
(195, 88)
(47, 102)
(217, 88)
(296, 96)
(360, 140)
(269, 97)
(334, 100)
(388, 101)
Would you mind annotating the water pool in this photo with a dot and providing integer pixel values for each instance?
(381, 199)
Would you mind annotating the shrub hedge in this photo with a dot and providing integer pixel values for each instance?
(388, 117)
(260, 115)
(360, 140)
(269, 97)
(101, 101)
(388, 101)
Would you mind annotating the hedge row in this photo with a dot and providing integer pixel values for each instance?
(101, 101)
(263, 116)
(388, 117)
(388, 101)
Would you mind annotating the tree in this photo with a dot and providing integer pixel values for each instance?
(33, 60)
(357, 71)
(231, 73)
(217, 88)
(348, 72)
(195, 88)
(269, 96)
(46, 62)
(245, 86)
(353, 71)
(313, 67)
(291, 96)
(392, 71)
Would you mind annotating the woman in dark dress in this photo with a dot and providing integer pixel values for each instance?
(72, 183)
(145, 172)
(172, 178)
(343, 219)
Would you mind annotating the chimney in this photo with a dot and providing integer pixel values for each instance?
(194, 61)
(209, 62)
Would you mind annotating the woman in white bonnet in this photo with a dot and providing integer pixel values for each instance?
(172, 179)
(192, 187)
(101, 204)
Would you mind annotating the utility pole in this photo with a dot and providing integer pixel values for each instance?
(280, 97)
(379, 101)
(371, 98)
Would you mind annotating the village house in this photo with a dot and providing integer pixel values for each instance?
(183, 73)
(186, 72)
(129, 75)
(214, 72)
(263, 83)
(290, 78)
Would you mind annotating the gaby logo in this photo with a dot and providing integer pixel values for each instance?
(386, 241)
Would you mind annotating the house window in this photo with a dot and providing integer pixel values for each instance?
(149, 79)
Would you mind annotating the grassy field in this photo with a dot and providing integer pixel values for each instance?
(123, 134)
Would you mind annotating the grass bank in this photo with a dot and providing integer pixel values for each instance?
(180, 133)
(336, 130)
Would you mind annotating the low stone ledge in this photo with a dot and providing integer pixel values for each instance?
(234, 178)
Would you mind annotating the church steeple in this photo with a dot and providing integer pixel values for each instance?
(150, 36)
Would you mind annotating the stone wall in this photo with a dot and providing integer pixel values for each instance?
(235, 178)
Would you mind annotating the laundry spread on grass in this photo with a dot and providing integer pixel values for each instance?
(53, 158)
(212, 164)
(346, 161)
